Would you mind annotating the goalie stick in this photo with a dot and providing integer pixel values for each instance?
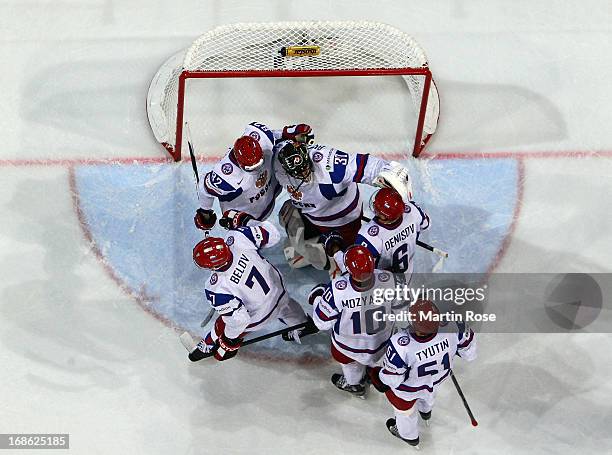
(190, 344)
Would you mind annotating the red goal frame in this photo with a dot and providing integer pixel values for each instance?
(419, 142)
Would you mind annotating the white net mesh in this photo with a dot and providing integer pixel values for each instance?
(257, 47)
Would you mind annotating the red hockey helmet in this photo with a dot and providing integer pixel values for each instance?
(388, 205)
(212, 253)
(359, 262)
(248, 153)
(423, 317)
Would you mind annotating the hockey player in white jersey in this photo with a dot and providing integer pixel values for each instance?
(322, 183)
(245, 289)
(392, 234)
(244, 180)
(416, 362)
(351, 307)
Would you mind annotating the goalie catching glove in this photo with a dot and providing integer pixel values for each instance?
(396, 176)
(233, 219)
(299, 133)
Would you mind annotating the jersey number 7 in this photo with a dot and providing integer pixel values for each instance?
(253, 276)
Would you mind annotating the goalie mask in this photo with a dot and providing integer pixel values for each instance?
(295, 160)
(212, 253)
(248, 153)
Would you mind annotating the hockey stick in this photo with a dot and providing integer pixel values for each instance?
(194, 165)
(208, 317)
(190, 345)
(433, 249)
(465, 403)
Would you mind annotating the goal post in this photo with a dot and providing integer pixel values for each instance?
(293, 51)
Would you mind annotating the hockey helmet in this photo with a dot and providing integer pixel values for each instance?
(212, 253)
(359, 262)
(424, 317)
(388, 205)
(248, 153)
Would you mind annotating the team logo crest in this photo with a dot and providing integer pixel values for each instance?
(384, 277)
(262, 179)
(403, 341)
(255, 135)
(227, 168)
(214, 278)
(373, 230)
(295, 194)
(230, 240)
(317, 156)
(341, 284)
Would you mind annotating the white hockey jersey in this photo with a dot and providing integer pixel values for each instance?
(357, 319)
(247, 294)
(331, 197)
(236, 189)
(393, 247)
(414, 368)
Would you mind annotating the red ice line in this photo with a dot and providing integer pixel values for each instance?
(210, 159)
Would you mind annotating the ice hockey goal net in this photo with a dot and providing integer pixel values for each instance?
(295, 51)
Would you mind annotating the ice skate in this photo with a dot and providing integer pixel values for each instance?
(358, 390)
(392, 427)
(426, 416)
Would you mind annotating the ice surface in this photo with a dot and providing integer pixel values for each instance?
(96, 263)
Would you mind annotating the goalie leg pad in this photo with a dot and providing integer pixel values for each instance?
(299, 251)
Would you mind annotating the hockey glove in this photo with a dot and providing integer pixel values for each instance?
(375, 379)
(332, 243)
(395, 176)
(205, 219)
(233, 219)
(228, 347)
(299, 133)
(315, 292)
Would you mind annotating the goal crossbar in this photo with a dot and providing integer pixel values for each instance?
(425, 72)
